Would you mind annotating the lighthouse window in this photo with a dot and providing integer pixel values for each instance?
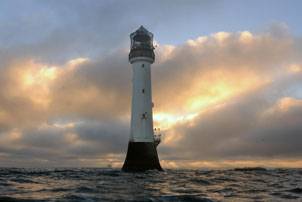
(144, 115)
(143, 91)
(143, 65)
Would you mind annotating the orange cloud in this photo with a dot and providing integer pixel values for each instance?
(230, 164)
(198, 87)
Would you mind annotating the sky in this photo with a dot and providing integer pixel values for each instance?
(227, 82)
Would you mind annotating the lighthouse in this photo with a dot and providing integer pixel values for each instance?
(142, 153)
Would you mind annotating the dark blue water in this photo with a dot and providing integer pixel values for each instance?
(171, 185)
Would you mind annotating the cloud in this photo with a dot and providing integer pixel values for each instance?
(222, 96)
(254, 125)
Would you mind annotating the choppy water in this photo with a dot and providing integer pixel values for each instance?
(171, 185)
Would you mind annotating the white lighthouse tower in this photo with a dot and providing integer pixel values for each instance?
(141, 154)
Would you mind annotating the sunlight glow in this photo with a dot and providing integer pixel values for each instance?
(227, 164)
(218, 92)
(218, 86)
(285, 103)
(76, 62)
(36, 80)
(208, 92)
(246, 37)
(295, 68)
(221, 36)
(39, 75)
(165, 120)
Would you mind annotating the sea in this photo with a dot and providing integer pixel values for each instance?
(107, 184)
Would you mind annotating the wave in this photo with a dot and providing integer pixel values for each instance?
(96, 184)
(250, 169)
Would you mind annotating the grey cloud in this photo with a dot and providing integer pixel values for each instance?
(239, 130)
(52, 31)
(58, 146)
(109, 81)
(102, 138)
(98, 92)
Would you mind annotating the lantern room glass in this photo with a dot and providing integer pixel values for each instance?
(141, 39)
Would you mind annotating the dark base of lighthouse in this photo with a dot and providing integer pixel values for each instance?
(141, 156)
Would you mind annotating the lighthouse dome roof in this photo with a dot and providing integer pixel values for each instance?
(142, 29)
(141, 33)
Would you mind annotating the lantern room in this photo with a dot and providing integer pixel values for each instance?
(141, 44)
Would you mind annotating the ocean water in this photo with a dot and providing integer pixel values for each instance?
(97, 184)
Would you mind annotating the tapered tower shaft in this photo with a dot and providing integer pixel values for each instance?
(142, 153)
